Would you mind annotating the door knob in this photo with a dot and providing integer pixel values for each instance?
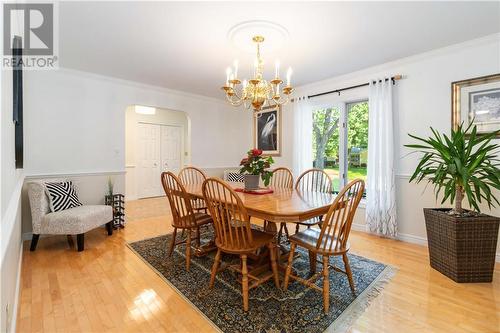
(154, 164)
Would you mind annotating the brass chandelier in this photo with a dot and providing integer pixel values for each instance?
(257, 92)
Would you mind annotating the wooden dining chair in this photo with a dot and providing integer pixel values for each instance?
(183, 215)
(282, 178)
(235, 236)
(314, 180)
(331, 240)
(193, 175)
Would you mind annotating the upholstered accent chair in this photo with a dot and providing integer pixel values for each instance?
(74, 221)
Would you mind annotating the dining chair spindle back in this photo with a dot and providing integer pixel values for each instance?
(330, 240)
(234, 234)
(183, 215)
(193, 175)
(313, 180)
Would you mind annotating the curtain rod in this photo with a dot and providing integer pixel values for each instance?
(393, 79)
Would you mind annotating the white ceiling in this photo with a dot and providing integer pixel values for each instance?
(184, 46)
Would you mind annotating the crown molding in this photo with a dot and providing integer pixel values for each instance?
(139, 85)
(388, 67)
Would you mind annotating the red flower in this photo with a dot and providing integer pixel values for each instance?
(256, 152)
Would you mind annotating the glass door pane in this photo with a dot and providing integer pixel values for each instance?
(326, 124)
(357, 140)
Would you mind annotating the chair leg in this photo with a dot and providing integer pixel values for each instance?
(109, 228)
(215, 267)
(289, 266)
(312, 262)
(286, 231)
(71, 244)
(349, 272)
(172, 243)
(34, 242)
(297, 227)
(188, 250)
(244, 280)
(198, 241)
(326, 285)
(80, 240)
(274, 265)
(280, 233)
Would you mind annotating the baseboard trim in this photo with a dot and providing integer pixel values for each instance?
(13, 318)
(406, 238)
(412, 239)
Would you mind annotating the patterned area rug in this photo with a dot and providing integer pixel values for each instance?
(299, 309)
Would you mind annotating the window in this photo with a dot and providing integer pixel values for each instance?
(340, 141)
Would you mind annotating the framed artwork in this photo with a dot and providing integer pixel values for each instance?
(267, 130)
(476, 100)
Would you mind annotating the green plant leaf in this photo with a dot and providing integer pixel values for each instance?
(464, 159)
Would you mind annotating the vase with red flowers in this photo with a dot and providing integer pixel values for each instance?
(256, 166)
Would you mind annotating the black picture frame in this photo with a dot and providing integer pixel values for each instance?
(17, 98)
(267, 130)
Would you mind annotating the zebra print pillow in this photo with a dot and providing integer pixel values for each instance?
(62, 195)
(234, 177)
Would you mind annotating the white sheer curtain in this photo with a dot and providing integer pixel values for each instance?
(302, 135)
(381, 196)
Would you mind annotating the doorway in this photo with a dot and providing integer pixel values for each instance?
(155, 142)
(159, 148)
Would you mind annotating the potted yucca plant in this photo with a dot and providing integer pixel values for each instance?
(462, 243)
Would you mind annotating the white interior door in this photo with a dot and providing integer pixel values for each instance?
(149, 160)
(171, 148)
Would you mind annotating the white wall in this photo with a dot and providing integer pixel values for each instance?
(11, 181)
(75, 126)
(422, 99)
(76, 122)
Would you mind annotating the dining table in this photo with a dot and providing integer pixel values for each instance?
(283, 205)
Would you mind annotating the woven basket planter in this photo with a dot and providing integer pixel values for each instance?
(462, 248)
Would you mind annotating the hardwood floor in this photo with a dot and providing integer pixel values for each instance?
(108, 288)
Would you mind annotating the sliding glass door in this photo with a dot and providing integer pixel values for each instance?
(340, 141)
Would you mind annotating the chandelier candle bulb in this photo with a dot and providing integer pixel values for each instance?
(235, 69)
(288, 76)
(228, 74)
(277, 69)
